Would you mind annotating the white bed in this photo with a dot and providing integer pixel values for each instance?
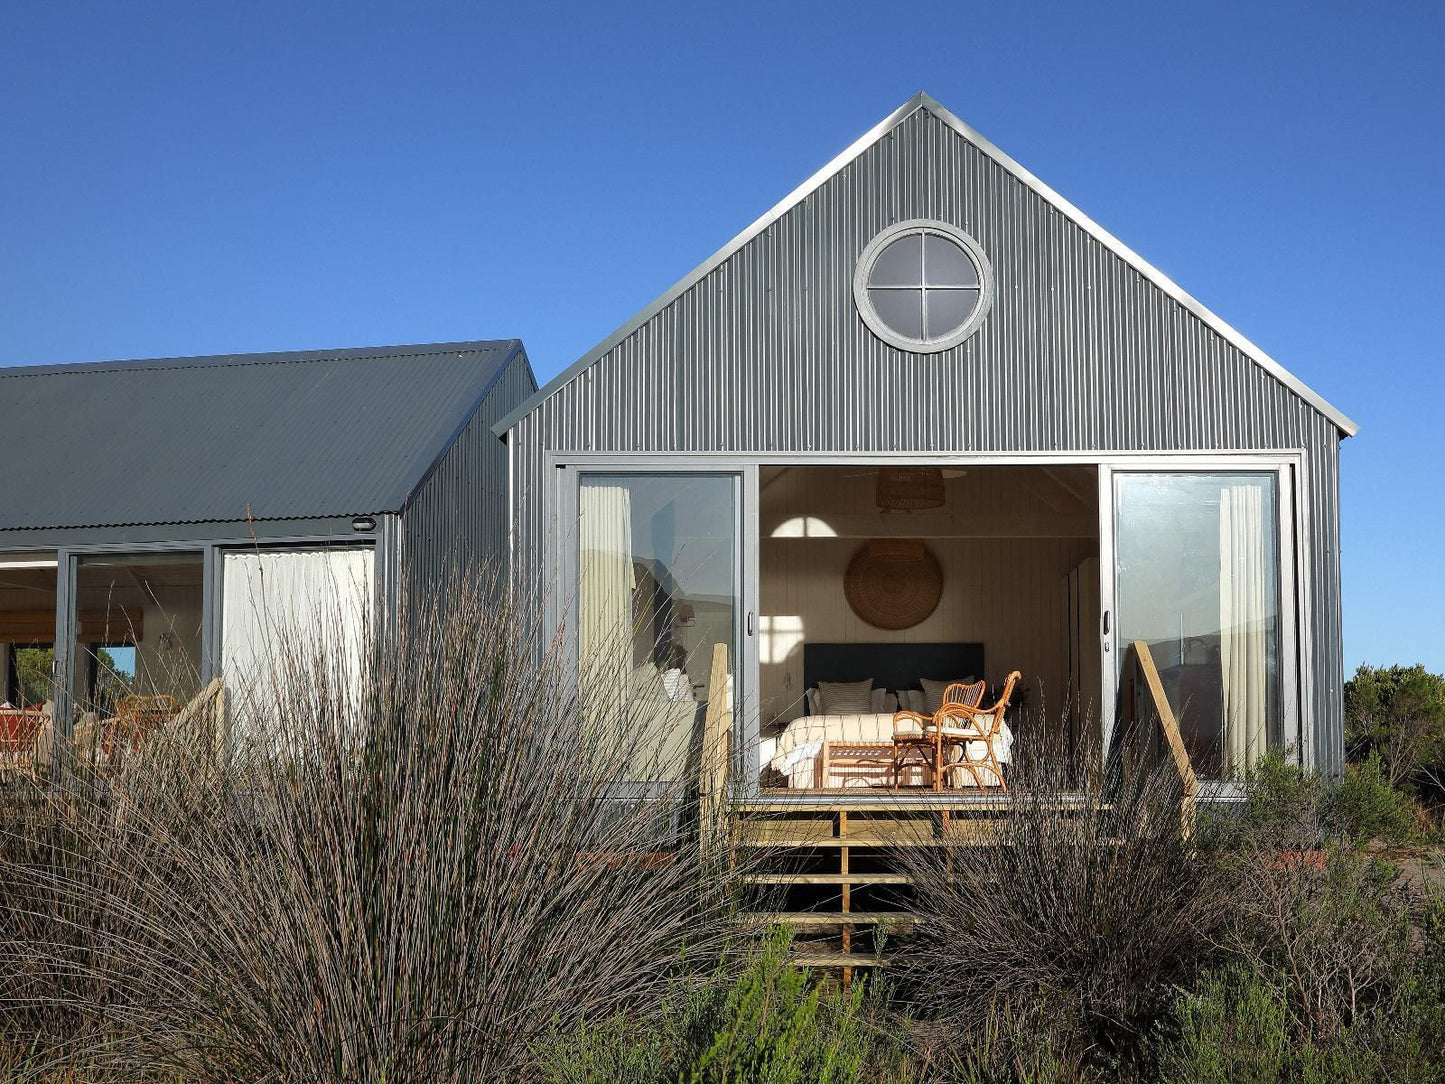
(794, 752)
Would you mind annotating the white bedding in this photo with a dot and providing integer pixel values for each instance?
(794, 752)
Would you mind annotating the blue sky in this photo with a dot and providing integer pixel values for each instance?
(189, 178)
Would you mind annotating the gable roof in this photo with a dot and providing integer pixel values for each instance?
(276, 436)
(926, 102)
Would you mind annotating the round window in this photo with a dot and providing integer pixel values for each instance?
(923, 286)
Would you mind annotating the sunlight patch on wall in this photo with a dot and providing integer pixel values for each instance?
(779, 636)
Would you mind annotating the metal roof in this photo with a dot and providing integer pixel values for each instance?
(270, 436)
(925, 101)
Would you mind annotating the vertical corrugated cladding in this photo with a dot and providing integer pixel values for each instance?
(1080, 352)
(458, 517)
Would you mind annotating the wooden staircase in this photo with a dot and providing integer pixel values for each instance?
(832, 868)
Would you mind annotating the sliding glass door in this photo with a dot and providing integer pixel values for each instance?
(660, 613)
(1200, 611)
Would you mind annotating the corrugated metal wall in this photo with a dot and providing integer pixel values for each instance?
(1080, 352)
(458, 518)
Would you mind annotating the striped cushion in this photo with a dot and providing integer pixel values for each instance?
(846, 697)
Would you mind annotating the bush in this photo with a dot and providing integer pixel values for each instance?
(1398, 714)
(1089, 911)
(1234, 1029)
(410, 876)
(1365, 806)
(1339, 936)
(768, 1023)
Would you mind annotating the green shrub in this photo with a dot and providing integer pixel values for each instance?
(1398, 713)
(621, 1050)
(1234, 1029)
(773, 1025)
(1364, 806)
(770, 1023)
(1282, 802)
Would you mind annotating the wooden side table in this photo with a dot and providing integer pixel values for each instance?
(860, 759)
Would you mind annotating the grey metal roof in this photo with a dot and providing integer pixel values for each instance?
(275, 436)
(925, 101)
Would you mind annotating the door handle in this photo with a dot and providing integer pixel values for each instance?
(1107, 644)
(750, 622)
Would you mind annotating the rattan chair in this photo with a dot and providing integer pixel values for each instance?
(956, 726)
(912, 738)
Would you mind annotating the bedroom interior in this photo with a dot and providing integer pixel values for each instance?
(911, 578)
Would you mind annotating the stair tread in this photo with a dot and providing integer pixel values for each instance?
(830, 918)
(828, 878)
(789, 842)
(824, 958)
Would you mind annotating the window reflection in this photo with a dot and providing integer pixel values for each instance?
(1198, 586)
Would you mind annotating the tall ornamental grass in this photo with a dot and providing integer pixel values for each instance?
(412, 871)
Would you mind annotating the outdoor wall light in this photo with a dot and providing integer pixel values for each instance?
(363, 523)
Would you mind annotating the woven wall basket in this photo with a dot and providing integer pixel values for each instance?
(893, 586)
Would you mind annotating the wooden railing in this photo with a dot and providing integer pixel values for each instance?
(716, 728)
(1169, 725)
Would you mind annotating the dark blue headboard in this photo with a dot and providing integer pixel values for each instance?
(891, 666)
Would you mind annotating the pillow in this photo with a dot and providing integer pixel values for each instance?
(846, 697)
(883, 702)
(933, 691)
(912, 700)
(814, 708)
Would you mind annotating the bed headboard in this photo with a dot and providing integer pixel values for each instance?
(892, 666)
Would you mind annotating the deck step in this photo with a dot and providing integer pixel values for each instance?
(825, 958)
(827, 878)
(794, 842)
(828, 919)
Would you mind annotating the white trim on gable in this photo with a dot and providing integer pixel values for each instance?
(926, 102)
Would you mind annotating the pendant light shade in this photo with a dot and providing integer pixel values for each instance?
(909, 489)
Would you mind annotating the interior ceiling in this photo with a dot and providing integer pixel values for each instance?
(985, 501)
(130, 584)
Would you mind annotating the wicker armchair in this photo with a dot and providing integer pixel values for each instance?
(912, 737)
(955, 726)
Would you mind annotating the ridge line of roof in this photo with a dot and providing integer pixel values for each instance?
(925, 101)
(277, 357)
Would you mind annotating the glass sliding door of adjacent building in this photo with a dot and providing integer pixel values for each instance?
(659, 610)
(136, 647)
(1197, 593)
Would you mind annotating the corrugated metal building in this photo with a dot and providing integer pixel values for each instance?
(807, 342)
(388, 451)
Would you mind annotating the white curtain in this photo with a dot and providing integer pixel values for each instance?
(605, 585)
(304, 597)
(1243, 641)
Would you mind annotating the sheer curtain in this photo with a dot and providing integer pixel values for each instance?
(306, 598)
(1243, 622)
(606, 581)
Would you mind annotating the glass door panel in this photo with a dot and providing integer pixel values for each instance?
(658, 609)
(136, 651)
(1197, 594)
